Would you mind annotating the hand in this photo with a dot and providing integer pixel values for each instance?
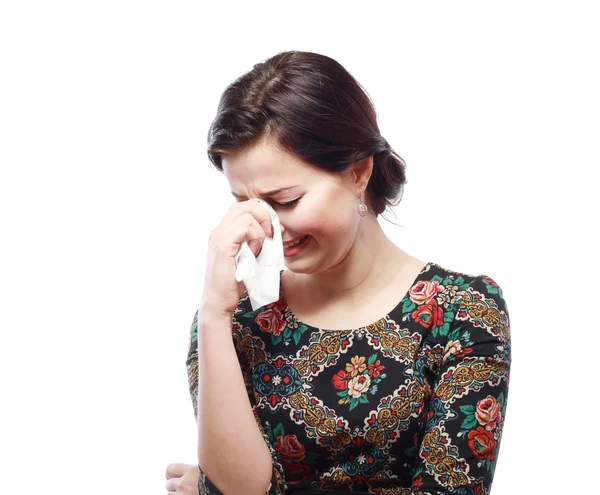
(245, 221)
(182, 479)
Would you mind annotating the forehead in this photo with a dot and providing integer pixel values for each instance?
(264, 166)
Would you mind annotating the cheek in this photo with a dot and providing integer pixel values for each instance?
(330, 224)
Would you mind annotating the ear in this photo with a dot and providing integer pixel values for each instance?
(361, 173)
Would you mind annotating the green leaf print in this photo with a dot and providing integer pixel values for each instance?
(296, 336)
(468, 410)
(453, 335)
(444, 329)
(491, 289)
(276, 339)
(278, 431)
(408, 306)
(251, 314)
(411, 452)
(469, 423)
(363, 399)
(343, 393)
(270, 435)
(287, 333)
(194, 331)
(372, 359)
(460, 282)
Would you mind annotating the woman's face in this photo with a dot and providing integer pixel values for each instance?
(315, 207)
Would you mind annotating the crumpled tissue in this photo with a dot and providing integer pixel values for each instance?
(261, 275)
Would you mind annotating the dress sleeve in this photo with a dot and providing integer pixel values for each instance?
(467, 406)
(243, 346)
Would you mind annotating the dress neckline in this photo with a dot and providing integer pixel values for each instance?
(297, 321)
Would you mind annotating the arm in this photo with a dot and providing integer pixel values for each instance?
(459, 449)
(234, 453)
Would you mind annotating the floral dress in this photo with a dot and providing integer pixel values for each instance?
(412, 404)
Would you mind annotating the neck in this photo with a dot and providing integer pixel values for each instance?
(364, 268)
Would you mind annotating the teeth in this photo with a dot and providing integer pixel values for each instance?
(295, 243)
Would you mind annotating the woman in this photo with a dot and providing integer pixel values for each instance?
(375, 371)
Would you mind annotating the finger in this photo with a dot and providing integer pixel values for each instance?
(253, 207)
(176, 469)
(246, 228)
(263, 218)
(191, 474)
(255, 236)
(189, 482)
(173, 484)
(233, 231)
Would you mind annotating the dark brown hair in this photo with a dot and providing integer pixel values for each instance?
(316, 111)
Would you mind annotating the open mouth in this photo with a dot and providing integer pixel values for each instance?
(296, 243)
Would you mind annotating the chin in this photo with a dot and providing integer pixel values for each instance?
(304, 267)
(296, 268)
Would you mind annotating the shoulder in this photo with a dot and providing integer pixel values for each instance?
(478, 299)
(464, 282)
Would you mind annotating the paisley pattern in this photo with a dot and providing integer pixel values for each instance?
(412, 404)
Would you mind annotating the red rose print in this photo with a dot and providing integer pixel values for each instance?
(424, 291)
(482, 443)
(271, 321)
(290, 450)
(429, 315)
(488, 412)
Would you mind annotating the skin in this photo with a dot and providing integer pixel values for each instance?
(342, 278)
(347, 258)
(182, 479)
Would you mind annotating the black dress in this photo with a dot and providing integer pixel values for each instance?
(412, 404)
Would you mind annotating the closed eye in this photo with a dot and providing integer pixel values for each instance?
(288, 205)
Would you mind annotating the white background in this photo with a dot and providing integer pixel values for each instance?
(107, 198)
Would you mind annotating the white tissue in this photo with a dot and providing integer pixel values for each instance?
(261, 275)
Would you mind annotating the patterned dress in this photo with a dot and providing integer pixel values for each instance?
(412, 404)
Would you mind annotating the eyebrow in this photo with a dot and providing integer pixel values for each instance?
(267, 194)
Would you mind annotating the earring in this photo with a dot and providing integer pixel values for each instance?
(362, 208)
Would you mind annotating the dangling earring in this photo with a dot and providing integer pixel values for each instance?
(362, 208)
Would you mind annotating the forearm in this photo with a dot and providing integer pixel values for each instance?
(231, 450)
